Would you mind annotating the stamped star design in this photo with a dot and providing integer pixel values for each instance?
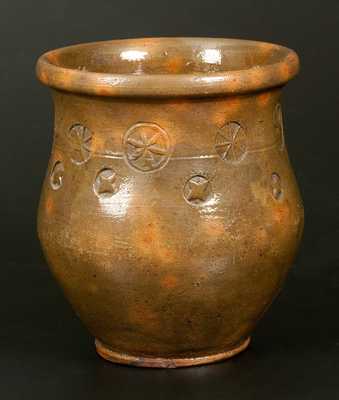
(231, 142)
(81, 139)
(105, 184)
(147, 147)
(197, 189)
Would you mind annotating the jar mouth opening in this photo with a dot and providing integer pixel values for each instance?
(168, 67)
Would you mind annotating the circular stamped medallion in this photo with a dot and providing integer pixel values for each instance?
(106, 183)
(147, 147)
(57, 175)
(279, 124)
(231, 142)
(80, 139)
(197, 190)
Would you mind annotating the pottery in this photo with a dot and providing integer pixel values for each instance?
(170, 214)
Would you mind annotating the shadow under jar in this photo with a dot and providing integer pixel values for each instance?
(170, 214)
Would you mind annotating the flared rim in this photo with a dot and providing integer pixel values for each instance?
(261, 66)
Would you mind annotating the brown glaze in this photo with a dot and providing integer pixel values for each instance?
(170, 214)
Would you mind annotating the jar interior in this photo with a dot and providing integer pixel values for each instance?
(167, 56)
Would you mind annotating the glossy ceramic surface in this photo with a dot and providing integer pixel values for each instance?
(170, 214)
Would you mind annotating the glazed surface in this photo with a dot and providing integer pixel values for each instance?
(170, 224)
(165, 67)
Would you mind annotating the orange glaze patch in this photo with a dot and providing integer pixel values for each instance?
(223, 111)
(284, 71)
(174, 64)
(53, 58)
(281, 214)
(263, 99)
(261, 239)
(151, 242)
(213, 227)
(265, 50)
(142, 315)
(49, 205)
(103, 90)
(43, 75)
(256, 76)
(67, 78)
(169, 281)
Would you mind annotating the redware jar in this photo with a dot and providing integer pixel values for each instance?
(170, 214)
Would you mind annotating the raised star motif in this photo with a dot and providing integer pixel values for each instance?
(231, 142)
(105, 184)
(197, 190)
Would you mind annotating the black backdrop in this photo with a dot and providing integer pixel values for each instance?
(44, 350)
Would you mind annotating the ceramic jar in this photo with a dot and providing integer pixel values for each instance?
(170, 213)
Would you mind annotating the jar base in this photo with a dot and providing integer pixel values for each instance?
(159, 362)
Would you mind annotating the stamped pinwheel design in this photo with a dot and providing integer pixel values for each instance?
(80, 139)
(231, 142)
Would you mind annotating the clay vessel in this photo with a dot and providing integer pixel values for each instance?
(170, 214)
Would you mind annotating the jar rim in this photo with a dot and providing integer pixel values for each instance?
(168, 67)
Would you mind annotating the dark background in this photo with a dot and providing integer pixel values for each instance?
(45, 352)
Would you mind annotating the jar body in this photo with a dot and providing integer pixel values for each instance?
(169, 223)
